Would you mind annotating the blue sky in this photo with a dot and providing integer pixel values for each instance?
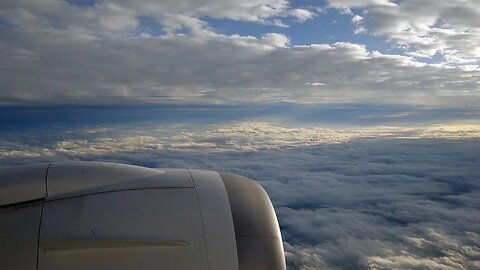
(329, 26)
(360, 118)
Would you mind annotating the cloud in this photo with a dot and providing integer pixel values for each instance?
(112, 16)
(377, 198)
(302, 14)
(450, 29)
(109, 52)
(453, 252)
(242, 136)
(359, 3)
(67, 67)
(276, 40)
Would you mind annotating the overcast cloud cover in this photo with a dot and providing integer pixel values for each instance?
(371, 198)
(360, 118)
(115, 51)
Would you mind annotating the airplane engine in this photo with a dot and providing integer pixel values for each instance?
(96, 215)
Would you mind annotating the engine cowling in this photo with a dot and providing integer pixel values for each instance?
(97, 215)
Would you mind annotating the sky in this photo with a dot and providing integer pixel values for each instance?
(221, 52)
(360, 118)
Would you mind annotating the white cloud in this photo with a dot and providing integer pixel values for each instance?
(119, 15)
(346, 199)
(315, 84)
(359, 3)
(69, 67)
(460, 256)
(276, 40)
(14, 150)
(239, 136)
(426, 28)
(301, 14)
(62, 53)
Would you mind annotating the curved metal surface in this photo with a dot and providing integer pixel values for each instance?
(23, 183)
(79, 215)
(259, 242)
(69, 179)
(127, 230)
(216, 220)
(19, 226)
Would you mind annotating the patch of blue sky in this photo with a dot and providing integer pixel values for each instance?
(327, 27)
(19, 117)
(149, 25)
(82, 3)
(365, 115)
(307, 3)
(57, 23)
(332, 115)
(436, 58)
(5, 24)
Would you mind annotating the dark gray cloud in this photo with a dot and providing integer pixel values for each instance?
(362, 203)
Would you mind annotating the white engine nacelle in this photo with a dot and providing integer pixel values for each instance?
(96, 215)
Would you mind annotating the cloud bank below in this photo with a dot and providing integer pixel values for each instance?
(377, 198)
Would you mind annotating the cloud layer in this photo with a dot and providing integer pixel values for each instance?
(108, 17)
(399, 192)
(165, 51)
(245, 136)
(377, 198)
